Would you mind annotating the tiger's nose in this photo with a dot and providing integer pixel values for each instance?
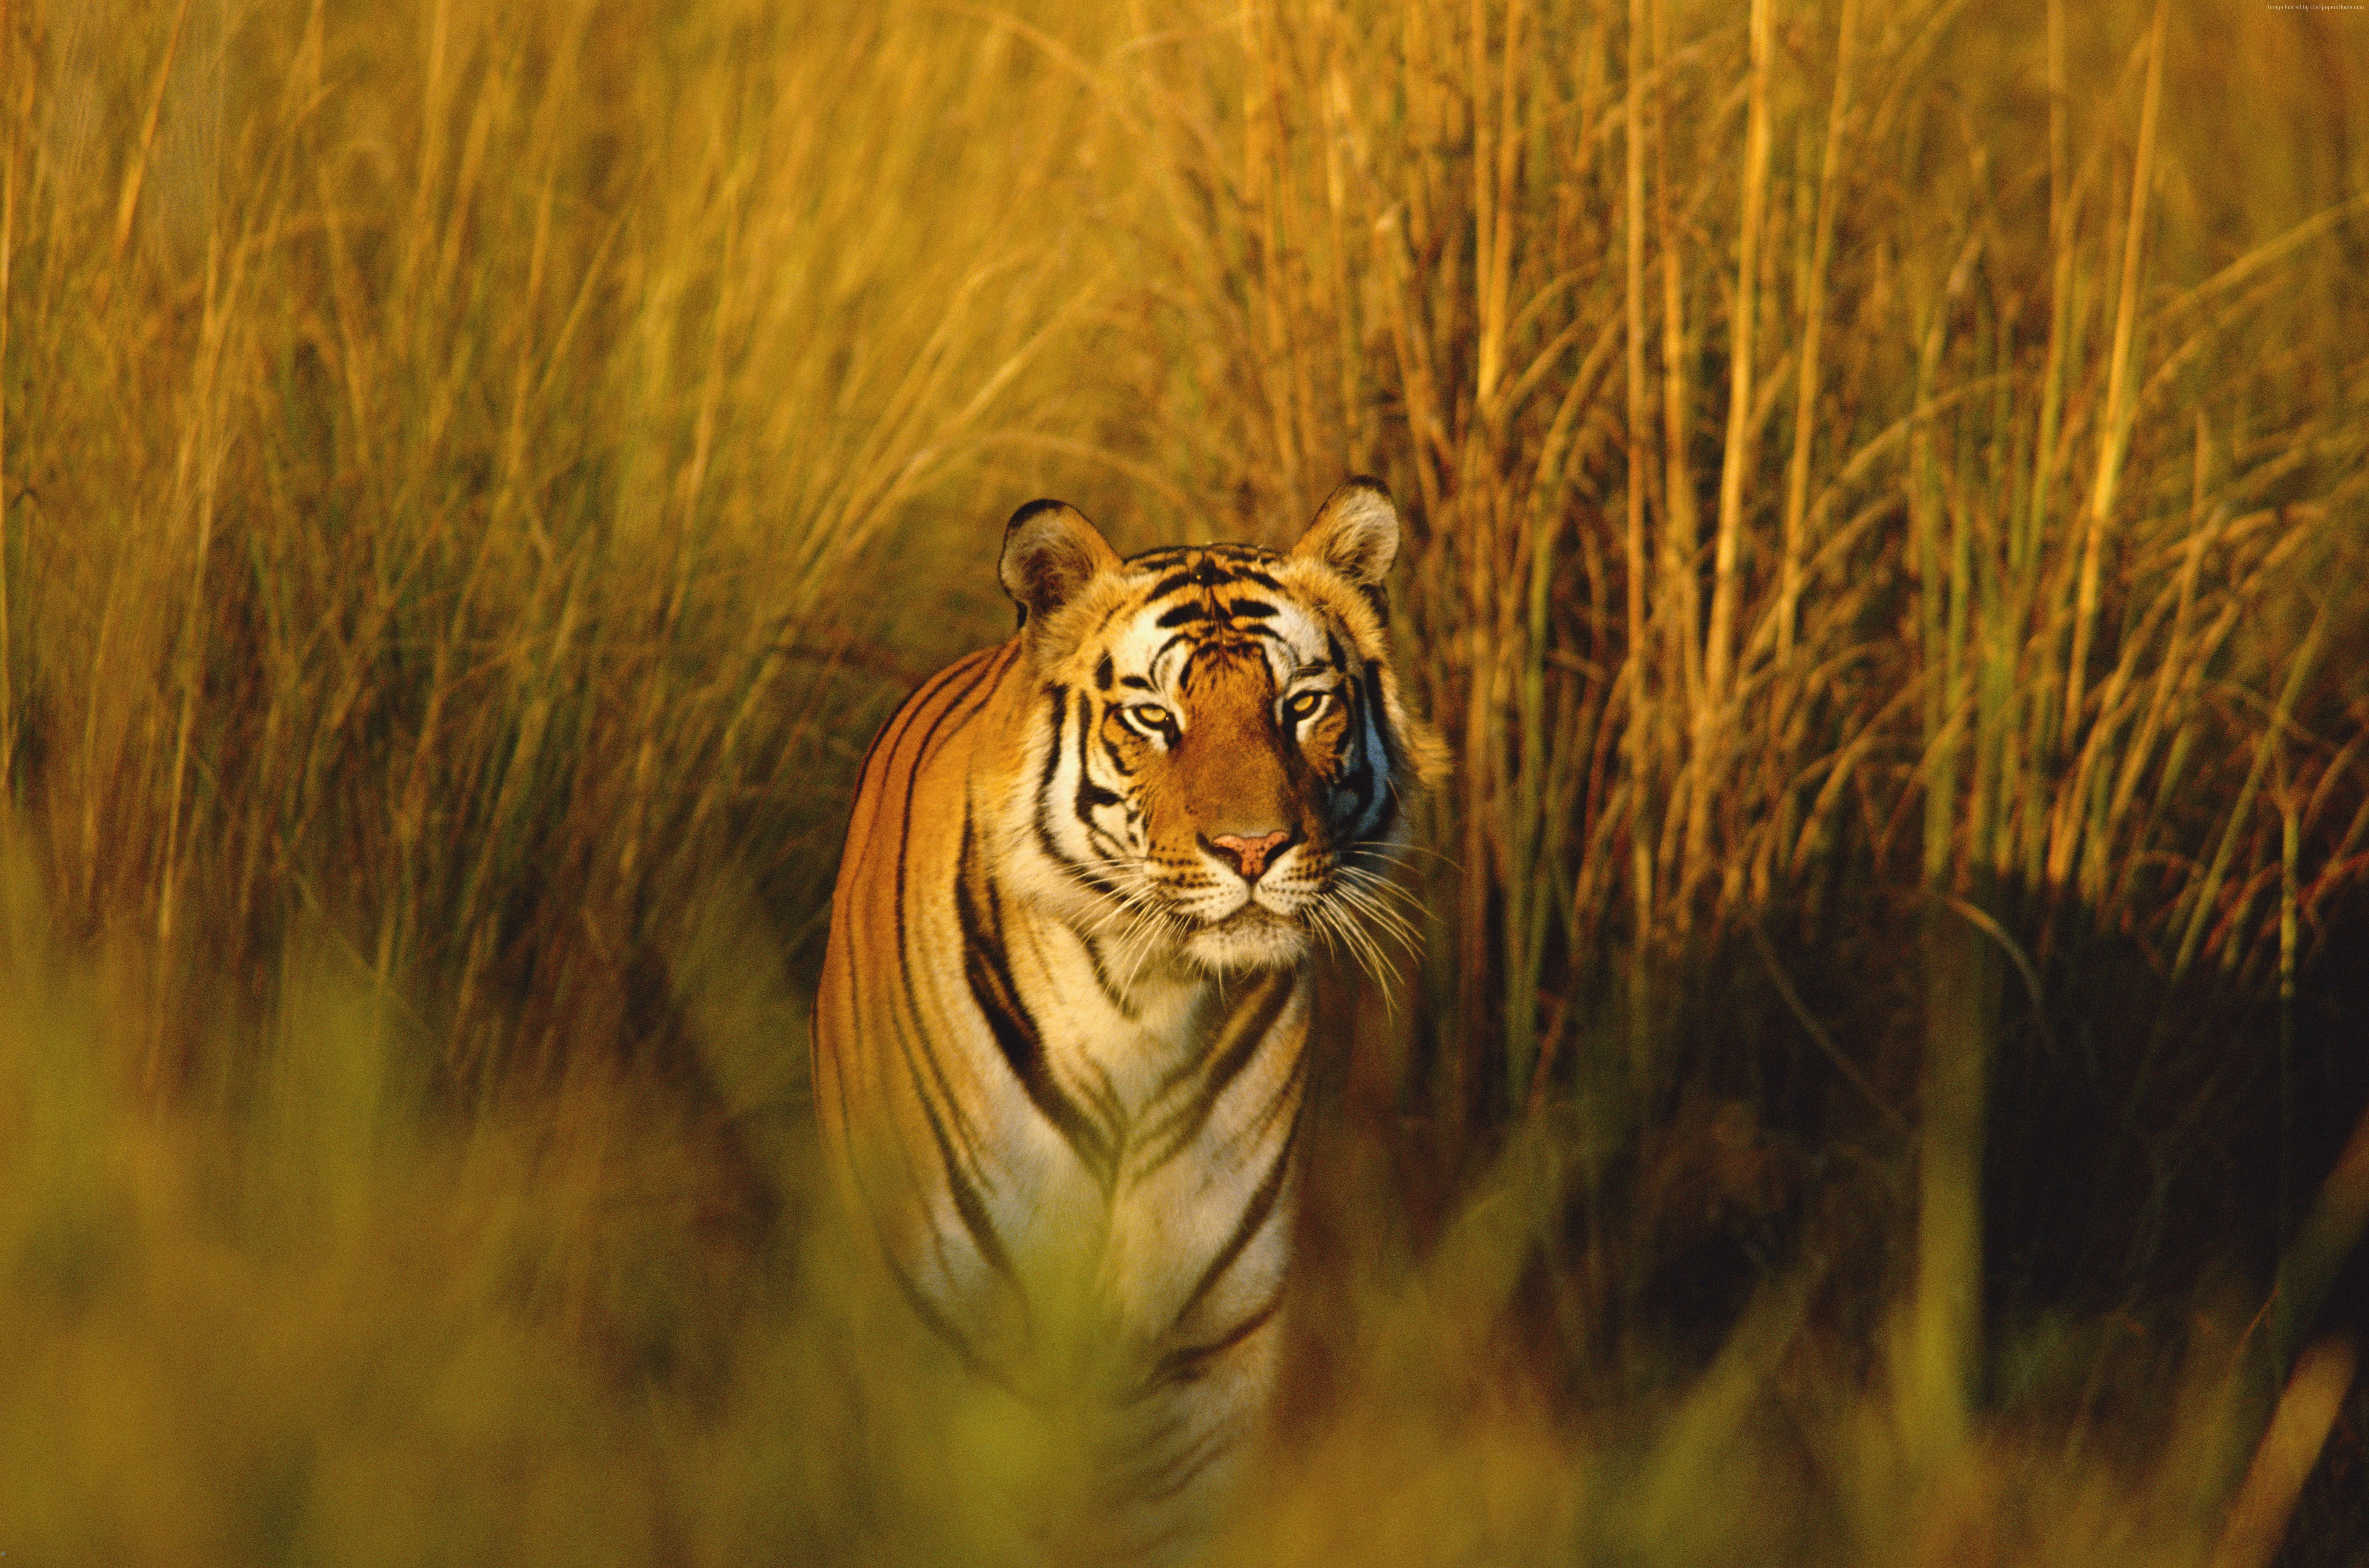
(1249, 856)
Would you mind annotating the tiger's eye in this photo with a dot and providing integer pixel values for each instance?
(1306, 704)
(1151, 715)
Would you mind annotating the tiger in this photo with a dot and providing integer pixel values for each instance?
(1061, 1037)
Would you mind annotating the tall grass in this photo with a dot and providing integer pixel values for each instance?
(1969, 529)
(1886, 504)
(471, 467)
(1938, 499)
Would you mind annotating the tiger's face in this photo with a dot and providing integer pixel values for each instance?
(1219, 751)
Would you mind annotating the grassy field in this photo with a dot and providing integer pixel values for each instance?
(1888, 492)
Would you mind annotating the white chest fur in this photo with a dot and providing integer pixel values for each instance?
(1160, 1187)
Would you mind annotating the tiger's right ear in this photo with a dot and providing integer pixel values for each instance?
(1050, 552)
(1355, 533)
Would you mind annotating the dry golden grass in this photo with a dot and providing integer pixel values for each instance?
(1888, 493)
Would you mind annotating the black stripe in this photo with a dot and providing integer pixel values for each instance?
(1183, 615)
(1095, 837)
(988, 969)
(1060, 696)
(936, 1323)
(931, 1090)
(1245, 1030)
(902, 719)
(1103, 673)
(1253, 1220)
(1162, 653)
(1090, 793)
(912, 783)
(1187, 1363)
(1355, 774)
(1287, 1096)
(1181, 1470)
(1117, 609)
(1107, 845)
(1239, 649)
(1105, 1095)
(1357, 793)
(986, 966)
(1383, 819)
(1233, 553)
(1083, 875)
(1085, 730)
(1256, 608)
(1044, 820)
(968, 1204)
(1378, 718)
(910, 1027)
(1102, 981)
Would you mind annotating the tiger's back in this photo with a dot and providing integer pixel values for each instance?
(1061, 1038)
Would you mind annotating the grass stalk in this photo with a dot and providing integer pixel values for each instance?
(1682, 657)
(1812, 293)
(9, 164)
(1711, 718)
(2308, 1408)
(2113, 431)
(1638, 752)
(2202, 896)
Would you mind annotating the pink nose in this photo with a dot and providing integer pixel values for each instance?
(1249, 856)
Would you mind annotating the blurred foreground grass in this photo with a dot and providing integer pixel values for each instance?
(1886, 504)
(336, 1325)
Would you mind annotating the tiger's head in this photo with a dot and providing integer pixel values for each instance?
(1218, 757)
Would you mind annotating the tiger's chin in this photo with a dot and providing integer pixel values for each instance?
(1250, 938)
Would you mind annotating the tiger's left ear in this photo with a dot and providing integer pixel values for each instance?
(1051, 551)
(1355, 533)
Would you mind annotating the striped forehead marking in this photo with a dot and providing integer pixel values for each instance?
(1208, 567)
(1207, 595)
(1223, 555)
